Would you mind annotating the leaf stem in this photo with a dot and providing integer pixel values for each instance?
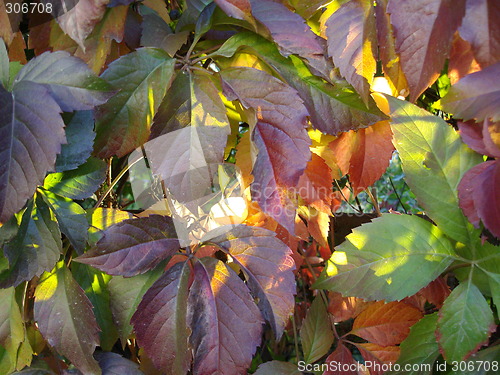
(295, 337)
(374, 200)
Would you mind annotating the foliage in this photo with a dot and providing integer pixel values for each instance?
(182, 187)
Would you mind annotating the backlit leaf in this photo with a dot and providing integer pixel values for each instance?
(481, 29)
(386, 324)
(12, 332)
(465, 322)
(474, 97)
(352, 41)
(65, 318)
(279, 134)
(225, 322)
(35, 248)
(390, 258)
(133, 246)
(123, 123)
(424, 32)
(420, 347)
(434, 160)
(316, 333)
(160, 321)
(267, 265)
(80, 183)
(344, 308)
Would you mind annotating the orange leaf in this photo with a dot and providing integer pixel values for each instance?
(386, 324)
(344, 308)
(461, 61)
(364, 154)
(342, 357)
(377, 356)
(436, 293)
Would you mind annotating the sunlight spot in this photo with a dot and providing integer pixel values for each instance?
(339, 257)
(331, 268)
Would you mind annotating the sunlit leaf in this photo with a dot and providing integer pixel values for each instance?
(65, 318)
(160, 321)
(465, 322)
(225, 322)
(391, 258)
(133, 246)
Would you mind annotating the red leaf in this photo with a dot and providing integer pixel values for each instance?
(436, 293)
(376, 356)
(386, 324)
(486, 196)
(461, 61)
(342, 356)
(240, 9)
(291, 33)
(160, 321)
(267, 265)
(350, 30)
(424, 31)
(472, 134)
(364, 154)
(279, 134)
(480, 27)
(345, 308)
(133, 246)
(466, 189)
(474, 96)
(225, 322)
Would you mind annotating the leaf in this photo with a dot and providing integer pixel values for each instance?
(133, 246)
(344, 308)
(434, 160)
(481, 363)
(316, 333)
(67, 79)
(71, 218)
(239, 9)
(279, 134)
(420, 347)
(474, 97)
(364, 154)
(12, 331)
(160, 321)
(390, 258)
(277, 368)
(65, 318)
(157, 33)
(268, 267)
(480, 29)
(475, 135)
(424, 31)
(125, 295)
(123, 123)
(465, 323)
(343, 362)
(35, 248)
(332, 108)
(386, 324)
(26, 115)
(352, 41)
(4, 65)
(79, 21)
(291, 33)
(80, 183)
(378, 354)
(115, 364)
(80, 137)
(95, 285)
(307, 9)
(226, 324)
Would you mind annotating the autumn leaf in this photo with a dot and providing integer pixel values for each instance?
(279, 134)
(386, 324)
(277, 368)
(424, 31)
(461, 61)
(115, 364)
(133, 246)
(225, 322)
(65, 318)
(342, 358)
(345, 308)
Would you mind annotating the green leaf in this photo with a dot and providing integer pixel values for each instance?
(204, 21)
(420, 347)
(332, 108)
(434, 160)
(124, 122)
(4, 65)
(125, 295)
(65, 318)
(80, 183)
(95, 285)
(80, 137)
(71, 217)
(316, 333)
(36, 246)
(391, 258)
(465, 322)
(484, 362)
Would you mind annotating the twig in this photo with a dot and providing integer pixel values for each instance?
(374, 200)
(397, 195)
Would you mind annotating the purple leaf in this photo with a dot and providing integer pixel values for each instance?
(65, 318)
(160, 321)
(268, 267)
(115, 364)
(279, 134)
(133, 246)
(225, 322)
